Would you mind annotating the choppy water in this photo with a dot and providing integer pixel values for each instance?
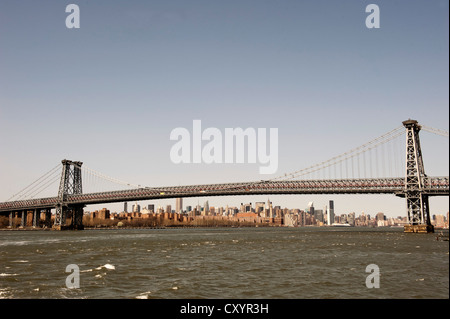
(223, 263)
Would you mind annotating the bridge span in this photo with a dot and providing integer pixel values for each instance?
(433, 186)
(416, 187)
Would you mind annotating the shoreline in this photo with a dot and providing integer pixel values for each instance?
(445, 230)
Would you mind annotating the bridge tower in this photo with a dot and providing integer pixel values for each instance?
(416, 201)
(70, 183)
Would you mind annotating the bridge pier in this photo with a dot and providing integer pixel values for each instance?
(48, 218)
(23, 221)
(422, 229)
(36, 215)
(12, 216)
(76, 215)
(77, 218)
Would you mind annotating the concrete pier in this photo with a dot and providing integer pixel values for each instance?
(423, 229)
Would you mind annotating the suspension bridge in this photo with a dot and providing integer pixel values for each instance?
(351, 172)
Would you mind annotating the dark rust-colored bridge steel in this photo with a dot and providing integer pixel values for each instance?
(433, 186)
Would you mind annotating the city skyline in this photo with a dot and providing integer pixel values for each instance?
(199, 202)
(257, 213)
(110, 93)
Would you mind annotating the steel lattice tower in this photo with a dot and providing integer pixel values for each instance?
(416, 201)
(70, 183)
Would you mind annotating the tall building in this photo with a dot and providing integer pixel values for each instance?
(351, 218)
(379, 216)
(311, 208)
(269, 209)
(136, 208)
(179, 205)
(151, 208)
(125, 207)
(318, 215)
(330, 213)
(259, 207)
(206, 208)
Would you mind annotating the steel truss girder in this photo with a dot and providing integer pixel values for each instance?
(431, 186)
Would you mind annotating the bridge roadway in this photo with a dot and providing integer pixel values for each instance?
(433, 186)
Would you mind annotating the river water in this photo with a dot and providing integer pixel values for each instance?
(242, 263)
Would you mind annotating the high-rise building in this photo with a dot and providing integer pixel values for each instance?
(351, 218)
(125, 207)
(330, 213)
(179, 205)
(318, 215)
(311, 208)
(259, 207)
(379, 216)
(269, 209)
(206, 208)
(151, 208)
(136, 208)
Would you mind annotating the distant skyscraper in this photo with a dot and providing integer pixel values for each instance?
(125, 207)
(136, 208)
(311, 208)
(179, 205)
(318, 215)
(269, 209)
(380, 216)
(330, 213)
(259, 207)
(206, 207)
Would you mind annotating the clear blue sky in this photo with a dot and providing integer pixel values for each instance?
(109, 93)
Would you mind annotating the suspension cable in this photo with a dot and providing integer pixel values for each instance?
(108, 178)
(35, 184)
(435, 130)
(344, 156)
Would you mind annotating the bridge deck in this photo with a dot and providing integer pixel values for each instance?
(433, 186)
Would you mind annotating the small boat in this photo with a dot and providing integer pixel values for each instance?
(340, 225)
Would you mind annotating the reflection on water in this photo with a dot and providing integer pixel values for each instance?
(223, 263)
